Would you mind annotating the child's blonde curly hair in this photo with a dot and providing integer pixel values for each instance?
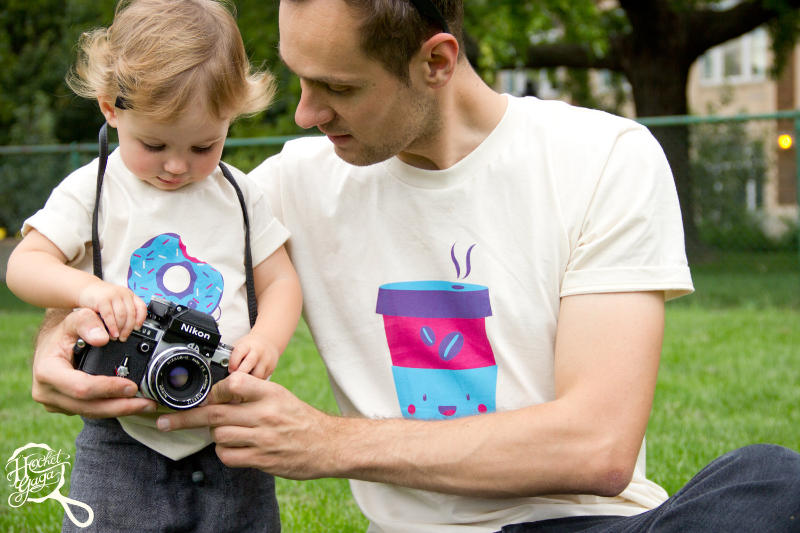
(159, 57)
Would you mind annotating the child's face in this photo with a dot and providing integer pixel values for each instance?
(169, 155)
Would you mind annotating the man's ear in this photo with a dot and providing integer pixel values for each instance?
(439, 55)
(109, 110)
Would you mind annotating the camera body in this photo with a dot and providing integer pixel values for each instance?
(175, 357)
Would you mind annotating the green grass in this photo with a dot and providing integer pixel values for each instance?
(729, 377)
(307, 506)
(749, 280)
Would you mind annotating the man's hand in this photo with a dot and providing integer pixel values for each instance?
(260, 424)
(63, 389)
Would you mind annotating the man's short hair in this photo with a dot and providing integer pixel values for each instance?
(392, 31)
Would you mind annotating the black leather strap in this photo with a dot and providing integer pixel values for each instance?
(97, 264)
(252, 303)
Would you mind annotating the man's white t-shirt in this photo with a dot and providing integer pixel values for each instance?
(435, 294)
(185, 245)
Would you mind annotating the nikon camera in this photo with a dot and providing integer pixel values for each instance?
(175, 357)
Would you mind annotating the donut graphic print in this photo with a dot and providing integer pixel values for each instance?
(162, 267)
(442, 362)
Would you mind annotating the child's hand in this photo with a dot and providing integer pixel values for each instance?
(119, 307)
(254, 355)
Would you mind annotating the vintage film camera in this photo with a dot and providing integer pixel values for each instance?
(175, 357)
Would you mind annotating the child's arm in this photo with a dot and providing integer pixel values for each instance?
(280, 301)
(38, 274)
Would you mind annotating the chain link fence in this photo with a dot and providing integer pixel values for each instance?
(742, 191)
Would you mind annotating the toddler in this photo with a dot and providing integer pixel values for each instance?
(169, 76)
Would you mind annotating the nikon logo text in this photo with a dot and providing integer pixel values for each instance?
(191, 330)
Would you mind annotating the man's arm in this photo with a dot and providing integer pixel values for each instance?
(584, 441)
(61, 388)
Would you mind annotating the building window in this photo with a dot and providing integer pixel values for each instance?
(741, 60)
(732, 59)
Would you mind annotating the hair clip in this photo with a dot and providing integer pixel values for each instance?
(120, 103)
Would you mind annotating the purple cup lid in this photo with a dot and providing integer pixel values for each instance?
(434, 299)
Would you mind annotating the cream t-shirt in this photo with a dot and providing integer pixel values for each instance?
(435, 294)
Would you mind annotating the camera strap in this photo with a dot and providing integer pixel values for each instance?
(97, 265)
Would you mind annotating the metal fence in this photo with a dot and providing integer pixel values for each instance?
(744, 191)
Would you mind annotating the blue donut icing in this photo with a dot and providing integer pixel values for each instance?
(154, 258)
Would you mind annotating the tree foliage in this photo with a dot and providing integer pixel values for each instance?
(37, 43)
(653, 43)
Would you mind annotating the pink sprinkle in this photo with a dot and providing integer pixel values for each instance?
(412, 409)
(481, 408)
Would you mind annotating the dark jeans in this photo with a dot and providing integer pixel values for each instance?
(133, 488)
(753, 489)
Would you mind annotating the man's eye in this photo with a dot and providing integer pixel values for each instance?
(152, 147)
(338, 89)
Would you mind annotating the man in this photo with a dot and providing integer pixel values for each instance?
(485, 279)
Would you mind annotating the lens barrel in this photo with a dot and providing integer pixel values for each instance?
(179, 378)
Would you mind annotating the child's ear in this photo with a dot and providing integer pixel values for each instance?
(109, 110)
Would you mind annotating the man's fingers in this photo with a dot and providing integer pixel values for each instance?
(239, 457)
(227, 405)
(59, 375)
(87, 325)
(91, 396)
(234, 436)
(198, 417)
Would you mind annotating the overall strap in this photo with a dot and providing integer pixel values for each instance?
(97, 265)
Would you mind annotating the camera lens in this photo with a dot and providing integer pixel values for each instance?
(179, 378)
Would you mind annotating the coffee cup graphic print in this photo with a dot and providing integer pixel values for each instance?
(442, 363)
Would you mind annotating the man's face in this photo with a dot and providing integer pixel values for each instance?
(368, 114)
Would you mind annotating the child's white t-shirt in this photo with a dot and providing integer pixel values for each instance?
(186, 245)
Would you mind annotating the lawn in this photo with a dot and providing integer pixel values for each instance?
(730, 376)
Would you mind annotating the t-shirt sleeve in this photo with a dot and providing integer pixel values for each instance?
(267, 234)
(267, 177)
(66, 218)
(631, 235)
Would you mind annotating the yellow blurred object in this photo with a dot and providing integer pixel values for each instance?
(3, 233)
(785, 141)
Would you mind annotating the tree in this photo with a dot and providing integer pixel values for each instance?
(37, 47)
(652, 42)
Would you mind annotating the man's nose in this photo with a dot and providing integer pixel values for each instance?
(312, 110)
